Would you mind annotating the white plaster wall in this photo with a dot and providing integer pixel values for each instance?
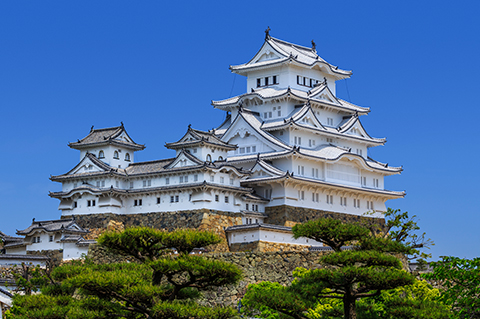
(252, 235)
(109, 151)
(73, 251)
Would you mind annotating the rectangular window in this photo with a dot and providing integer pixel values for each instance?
(375, 182)
(259, 83)
(216, 198)
(298, 79)
(195, 178)
(172, 199)
(231, 181)
(364, 181)
(167, 181)
(93, 202)
(226, 199)
(316, 197)
(158, 200)
(131, 185)
(89, 203)
(370, 205)
(265, 115)
(247, 149)
(275, 79)
(212, 178)
(266, 81)
(329, 140)
(75, 204)
(176, 198)
(242, 150)
(117, 184)
(189, 197)
(301, 170)
(343, 201)
(181, 179)
(246, 206)
(222, 180)
(330, 199)
(329, 121)
(270, 115)
(185, 179)
(359, 151)
(254, 149)
(50, 238)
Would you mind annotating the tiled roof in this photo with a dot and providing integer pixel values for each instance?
(302, 96)
(6, 293)
(106, 136)
(53, 225)
(200, 137)
(259, 226)
(290, 52)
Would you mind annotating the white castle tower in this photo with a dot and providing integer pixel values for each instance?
(305, 146)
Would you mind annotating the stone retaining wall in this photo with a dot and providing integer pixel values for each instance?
(289, 216)
(265, 246)
(256, 267)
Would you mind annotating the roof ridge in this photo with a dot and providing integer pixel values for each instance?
(154, 161)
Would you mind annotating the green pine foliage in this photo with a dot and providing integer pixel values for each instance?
(351, 283)
(163, 283)
(460, 279)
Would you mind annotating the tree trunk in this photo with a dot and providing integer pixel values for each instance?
(349, 308)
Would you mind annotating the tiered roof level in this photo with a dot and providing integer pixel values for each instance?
(305, 146)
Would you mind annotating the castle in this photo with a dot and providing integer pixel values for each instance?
(289, 150)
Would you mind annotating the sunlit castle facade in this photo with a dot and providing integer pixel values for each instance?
(287, 141)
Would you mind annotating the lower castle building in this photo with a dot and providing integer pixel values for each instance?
(289, 150)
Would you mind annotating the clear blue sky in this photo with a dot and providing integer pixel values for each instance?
(156, 65)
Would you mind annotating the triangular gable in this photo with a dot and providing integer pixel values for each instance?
(266, 53)
(246, 125)
(323, 94)
(307, 117)
(184, 159)
(123, 137)
(354, 127)
(262, 169)
(86, 165)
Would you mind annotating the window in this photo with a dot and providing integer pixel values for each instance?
(274, 78)
(330, 199)
(259, 83)
(137, 202)
(356, 203)
(375, 182)
(101, 154)
(90, 203)
(172, 199)
(194, 150)
(189, 197)
(216, 198)
(75, 205)
(301, 195)
(212, 178)
(329, 140)
(246, 206)
(266, 81)
(127, 157)
(181, 179)
(329, 121)
(50, 238)
(195, 178)
(226, 199)
(231, 181)
(158, 200)
(131, 185)
(279, 112)
(343, 201)
(147, 182)
(115, 155)
(117, 184)
(222, 180)
(359, 151)
(167, 181)
(311, 143)
(315, 197)
(270, 115)
(209, 158)
(370, 205)
(265, 115)
(298, 140)
(100, 183)
(301, 170)
(315, 172)
(364, 181)
(177, 198)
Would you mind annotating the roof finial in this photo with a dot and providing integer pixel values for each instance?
(189, 126)
(121, 124)
(325, 80)
(314, 46)
(33, 220)
(91, 129)
(267, 33)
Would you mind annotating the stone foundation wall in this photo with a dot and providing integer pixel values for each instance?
(265, 246)
(202, 219)
(56, 256)
(289, 216)
(256, 267)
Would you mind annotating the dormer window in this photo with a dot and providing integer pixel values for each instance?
(209, 158)
(115, 155)
(127, 157)
(101, 154)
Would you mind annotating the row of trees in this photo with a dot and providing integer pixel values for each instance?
(362, 278)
